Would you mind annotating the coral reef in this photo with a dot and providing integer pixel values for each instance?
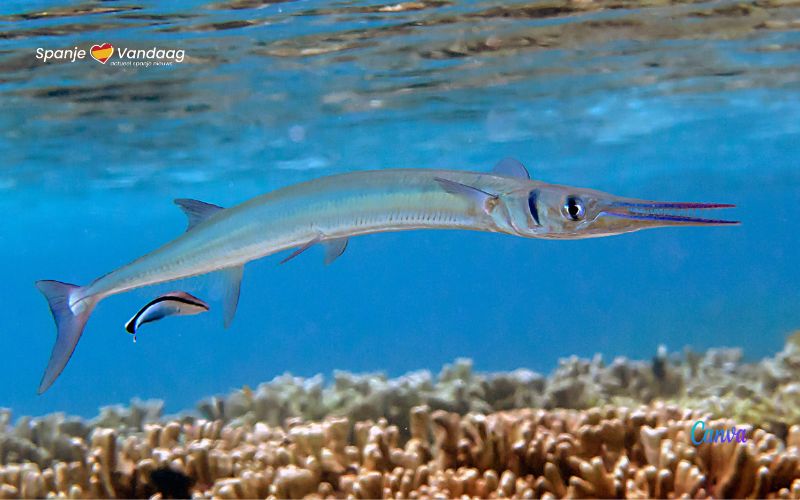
(588, 430)
(602, 452)
(717, 382)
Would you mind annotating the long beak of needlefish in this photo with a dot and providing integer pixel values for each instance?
(655, 213)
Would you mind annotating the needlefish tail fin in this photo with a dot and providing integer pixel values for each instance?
(70, 321)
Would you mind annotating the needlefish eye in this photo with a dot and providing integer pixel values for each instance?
(574, 208)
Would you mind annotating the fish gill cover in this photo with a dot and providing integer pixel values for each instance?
(110, 110)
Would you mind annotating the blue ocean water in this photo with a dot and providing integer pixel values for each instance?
(689, 102)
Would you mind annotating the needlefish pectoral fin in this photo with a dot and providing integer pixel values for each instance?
(302, 248)
(510, 167)
(196, 211)
(334, 248)
(486, 201)
(233, 285)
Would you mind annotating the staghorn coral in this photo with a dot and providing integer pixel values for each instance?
(628, 434)
(717, 382)
(604, 452)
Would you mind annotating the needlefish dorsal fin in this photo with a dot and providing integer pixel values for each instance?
(196, 211)
(510, 167)
(333, 248)
(486, 201)
(233, 285)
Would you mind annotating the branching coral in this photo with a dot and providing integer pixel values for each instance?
(717, 382)
(601, 452)
(369, 437)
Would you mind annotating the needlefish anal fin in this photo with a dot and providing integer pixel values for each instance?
(486, 201)
(334, 248)
(510, 167)
(233, 284)
(196, 211)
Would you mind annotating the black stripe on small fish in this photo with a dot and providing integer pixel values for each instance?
(130, 326)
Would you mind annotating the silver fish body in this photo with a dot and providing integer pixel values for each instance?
(331, 207)
(330, 210)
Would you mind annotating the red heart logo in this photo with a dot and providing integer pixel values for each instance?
(102, 53)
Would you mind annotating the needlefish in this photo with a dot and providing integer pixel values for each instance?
(330, 210)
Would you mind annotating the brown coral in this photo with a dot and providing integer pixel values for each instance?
(601, 452)
(718, 382)
(366, 436)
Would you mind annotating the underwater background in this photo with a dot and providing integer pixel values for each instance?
(688, 101)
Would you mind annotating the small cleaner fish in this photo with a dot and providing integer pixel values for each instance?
(170, 304)
(329, 210)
